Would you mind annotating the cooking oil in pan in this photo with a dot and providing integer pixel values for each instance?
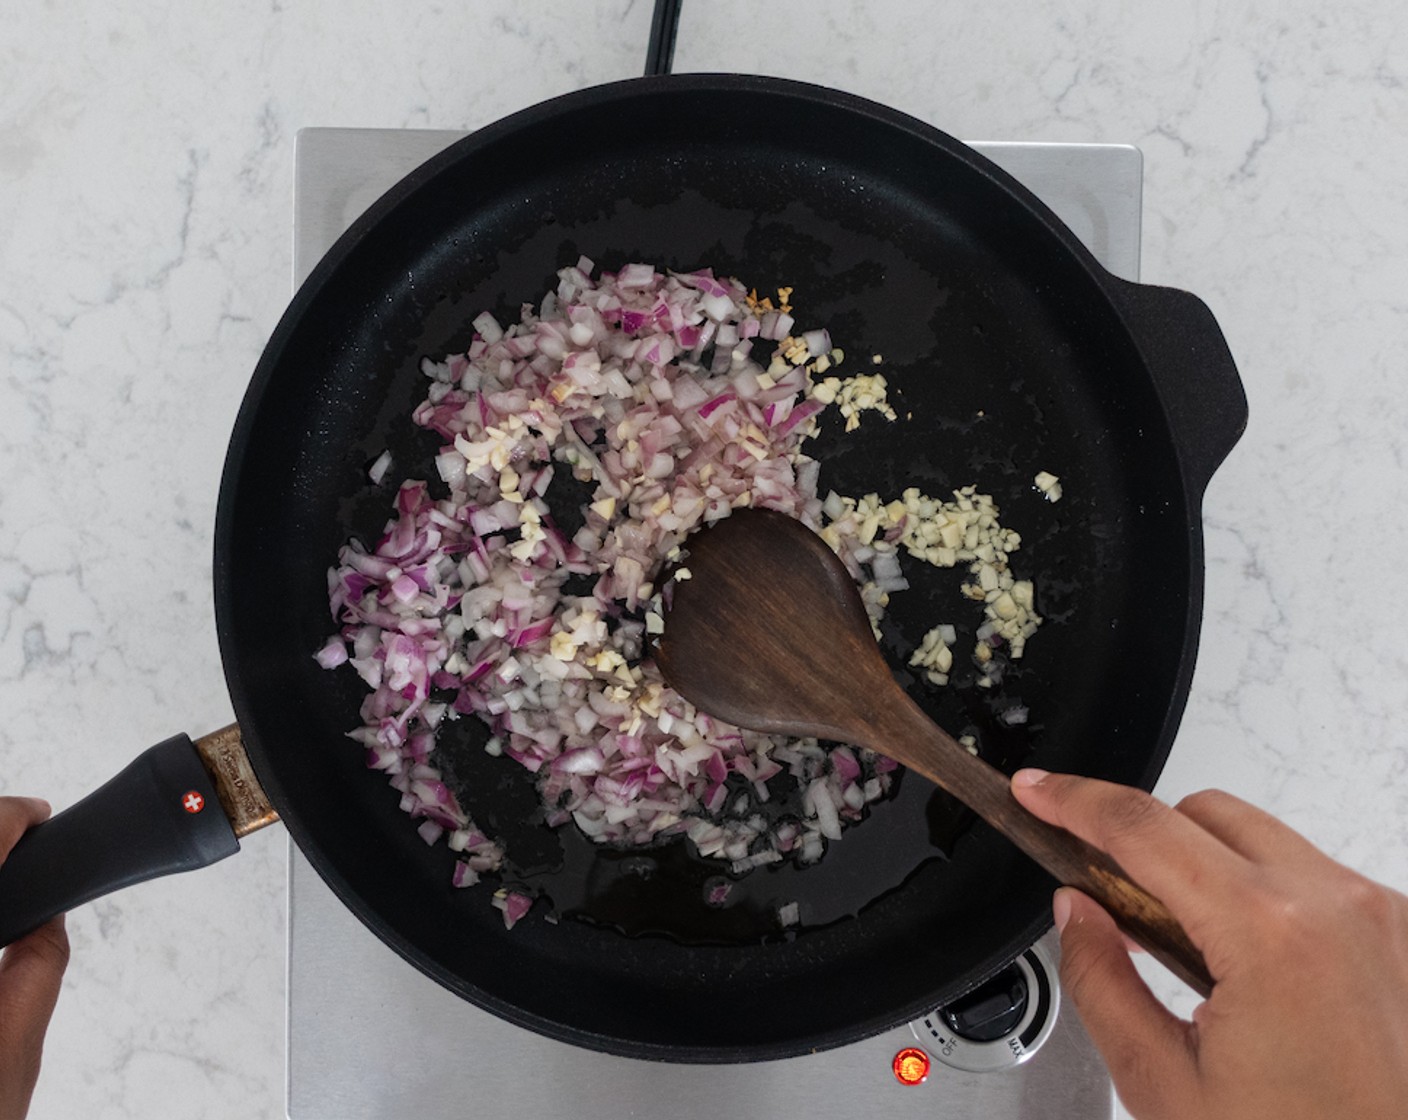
(673, 892)
(669, 890)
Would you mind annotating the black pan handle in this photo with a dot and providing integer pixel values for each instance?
(158, 816)
(664, 26)
(1194, 371)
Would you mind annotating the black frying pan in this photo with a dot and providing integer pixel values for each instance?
(1008, 349)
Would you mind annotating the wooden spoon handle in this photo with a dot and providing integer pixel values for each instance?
(932, 752)
(1078, 864)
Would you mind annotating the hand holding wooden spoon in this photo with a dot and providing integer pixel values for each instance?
(769, 633)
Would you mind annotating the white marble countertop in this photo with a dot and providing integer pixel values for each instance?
(146, 159)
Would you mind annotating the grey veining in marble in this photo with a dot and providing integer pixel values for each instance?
(145, 182)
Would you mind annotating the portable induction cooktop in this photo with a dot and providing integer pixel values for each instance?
(394, 1043)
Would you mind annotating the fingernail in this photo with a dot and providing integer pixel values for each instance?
(1060, 909)
(1030, 777)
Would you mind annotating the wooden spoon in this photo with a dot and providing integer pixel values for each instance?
(768, 632)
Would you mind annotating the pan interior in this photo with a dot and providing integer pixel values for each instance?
(1004, 357)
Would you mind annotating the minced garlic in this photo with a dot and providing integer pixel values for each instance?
(562, 647)
(854, 395)
(945, 534)
(934, 655)
(605, 508)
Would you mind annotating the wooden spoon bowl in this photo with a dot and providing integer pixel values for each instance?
(768, 632)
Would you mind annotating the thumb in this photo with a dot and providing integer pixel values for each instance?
(1146, 1047)
(30, 972)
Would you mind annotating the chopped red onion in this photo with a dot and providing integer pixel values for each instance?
(514, 905)
(333, 654)
(1014, 716)
(377, 471)
(460, 607)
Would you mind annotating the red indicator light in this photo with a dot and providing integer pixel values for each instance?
(911, 1066)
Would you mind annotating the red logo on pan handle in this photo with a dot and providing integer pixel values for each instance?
(192, 802)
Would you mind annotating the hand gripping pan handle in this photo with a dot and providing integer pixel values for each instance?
(171, 809)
